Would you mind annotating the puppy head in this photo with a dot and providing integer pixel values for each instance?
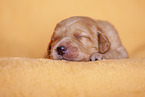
(75, 39)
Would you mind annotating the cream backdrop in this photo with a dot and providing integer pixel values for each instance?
(26, 25)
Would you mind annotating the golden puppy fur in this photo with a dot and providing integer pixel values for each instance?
(82, 39)
(23, 77)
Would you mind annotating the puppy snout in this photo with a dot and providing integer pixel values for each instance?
(61, 50)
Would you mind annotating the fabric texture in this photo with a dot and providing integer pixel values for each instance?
(24, 77)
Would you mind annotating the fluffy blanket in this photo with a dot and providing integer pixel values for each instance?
(24, 77)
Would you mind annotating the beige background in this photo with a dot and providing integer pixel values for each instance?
(26, 25)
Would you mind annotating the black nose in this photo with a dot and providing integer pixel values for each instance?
(61, 50)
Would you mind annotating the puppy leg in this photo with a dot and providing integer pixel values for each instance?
(118, 53)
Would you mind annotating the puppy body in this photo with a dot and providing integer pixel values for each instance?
(83, 39)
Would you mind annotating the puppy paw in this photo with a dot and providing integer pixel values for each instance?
(96, 56)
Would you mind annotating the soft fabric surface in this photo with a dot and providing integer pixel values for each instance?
(23, 77)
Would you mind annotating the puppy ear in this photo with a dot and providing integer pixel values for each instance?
(49, 50)
(103, 43)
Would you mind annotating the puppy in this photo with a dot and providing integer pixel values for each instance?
(84, 39)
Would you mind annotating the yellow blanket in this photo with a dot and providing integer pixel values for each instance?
(23, 77)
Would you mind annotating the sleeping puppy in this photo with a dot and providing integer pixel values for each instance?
(84, 39)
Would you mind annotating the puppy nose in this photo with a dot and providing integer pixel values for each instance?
(61, 50)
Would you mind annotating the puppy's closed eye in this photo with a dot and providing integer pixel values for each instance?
(80, 34)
